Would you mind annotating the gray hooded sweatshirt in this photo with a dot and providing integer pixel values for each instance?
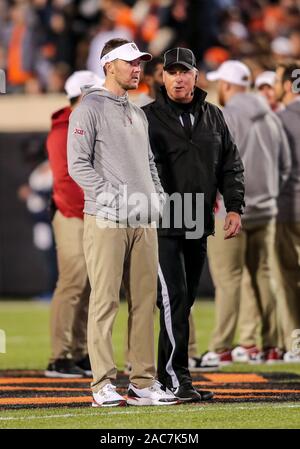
(109, 156)
(289, 199)
(264, 149)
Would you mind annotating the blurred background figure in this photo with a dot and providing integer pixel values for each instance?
(287, 89)
(38, 35)
(37, 195)
(264, 84)
(152, 77)
(107, 30)
(264, 149)
(20, 44)
(69, 306)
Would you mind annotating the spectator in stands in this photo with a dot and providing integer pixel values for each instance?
(107, 30)
(63, 31)
(21, 47)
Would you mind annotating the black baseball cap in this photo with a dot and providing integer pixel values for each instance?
(179, 55)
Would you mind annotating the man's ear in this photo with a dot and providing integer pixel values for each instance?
(227, 86)
(110, 68)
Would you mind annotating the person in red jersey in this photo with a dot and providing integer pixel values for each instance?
(69, 307)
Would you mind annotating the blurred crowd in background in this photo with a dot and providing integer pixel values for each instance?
(43, 41)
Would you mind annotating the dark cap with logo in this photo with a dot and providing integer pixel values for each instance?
(181, 56)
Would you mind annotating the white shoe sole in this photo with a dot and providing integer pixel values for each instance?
(116, 404)
(147, 401)
(53, 374)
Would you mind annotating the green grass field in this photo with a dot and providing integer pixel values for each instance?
(26, 324)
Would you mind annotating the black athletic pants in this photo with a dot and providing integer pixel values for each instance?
(180, 265)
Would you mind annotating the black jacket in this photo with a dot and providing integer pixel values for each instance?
(206, 162)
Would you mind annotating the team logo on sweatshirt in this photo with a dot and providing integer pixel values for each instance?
(79, 131)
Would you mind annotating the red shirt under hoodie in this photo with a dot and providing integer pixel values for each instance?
(67, 195)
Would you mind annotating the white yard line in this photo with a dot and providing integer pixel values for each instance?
(137, 411)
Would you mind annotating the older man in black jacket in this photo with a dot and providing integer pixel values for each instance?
(195, 155)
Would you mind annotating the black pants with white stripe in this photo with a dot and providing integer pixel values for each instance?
(180, 265)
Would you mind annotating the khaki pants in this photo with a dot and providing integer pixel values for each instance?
(69, 306)
(249, 316)
(252, 248)
(113, 254)
(288, 257)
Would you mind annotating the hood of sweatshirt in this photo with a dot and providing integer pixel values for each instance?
(241, 112)
(253, 106)
(101, 91)
(61, 117)
(121, 101)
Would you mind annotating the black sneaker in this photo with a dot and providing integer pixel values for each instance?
(64, 368)
(187, 393)
(85, 364)
(206, 395)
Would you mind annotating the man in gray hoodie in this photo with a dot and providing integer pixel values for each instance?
(287, 89)
(109, 156)
(265, 152)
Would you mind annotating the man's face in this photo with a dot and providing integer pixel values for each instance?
(156, 79)
(278, 87)
(180, 83)
(268, 92)
(127, 73)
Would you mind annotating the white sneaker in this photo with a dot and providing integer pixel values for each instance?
(108, 397)
(153, 395)
(291, 357)
(210, 358)
(240, 354)
(202, 363)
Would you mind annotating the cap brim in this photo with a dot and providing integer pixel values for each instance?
(262, 83)
(185, 64)
(142, 56)
(213, 76)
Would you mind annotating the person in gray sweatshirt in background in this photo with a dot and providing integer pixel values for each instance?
(265, 152)
(287, 89)
(109, 156)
